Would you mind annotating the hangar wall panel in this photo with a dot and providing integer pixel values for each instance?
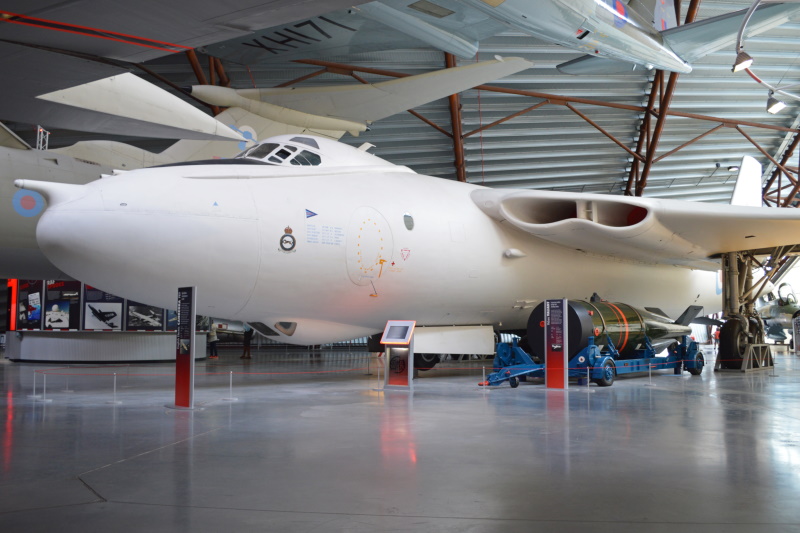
(95, 347)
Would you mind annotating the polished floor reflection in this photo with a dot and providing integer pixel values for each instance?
(298, 442)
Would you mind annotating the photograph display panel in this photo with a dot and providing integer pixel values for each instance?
(142, 317)
(102, 311)
(62, 306)
(29, 307)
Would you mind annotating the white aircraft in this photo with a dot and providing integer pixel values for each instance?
(617, 36)
(325, 242)
(327, 111)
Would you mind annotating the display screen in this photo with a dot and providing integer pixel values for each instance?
(396, 333)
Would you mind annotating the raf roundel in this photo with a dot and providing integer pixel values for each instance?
(28, 203)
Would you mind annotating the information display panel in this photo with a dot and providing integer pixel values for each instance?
(62, 306)
(555, 348)
(142, 317)
(398, 336)
(29, 304)
(102, 311)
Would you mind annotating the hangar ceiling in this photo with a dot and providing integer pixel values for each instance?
(553, 147)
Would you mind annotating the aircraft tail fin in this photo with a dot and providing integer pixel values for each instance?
(747, 190)
(689, 315)
(698, 39)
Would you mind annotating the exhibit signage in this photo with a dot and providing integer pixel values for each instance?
(102, 311)
(29, 304)
(555, 339)
(62, 305)
(142, 317)
(185, 348)
(398, 338)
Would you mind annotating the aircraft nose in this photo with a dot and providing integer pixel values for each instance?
(142, 242)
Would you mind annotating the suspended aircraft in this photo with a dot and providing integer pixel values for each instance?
(51, 47)
(617, 36)
(325, 242)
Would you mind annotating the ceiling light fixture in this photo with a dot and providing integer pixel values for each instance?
(733, 168)
(774, 105)
(743, 61)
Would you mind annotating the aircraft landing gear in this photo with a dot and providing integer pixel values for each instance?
(733, 341)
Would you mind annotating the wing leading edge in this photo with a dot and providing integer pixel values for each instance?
(690, 234)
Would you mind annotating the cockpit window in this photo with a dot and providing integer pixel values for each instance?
(260, 151)
(306, 158)
(307, 141)
(281, 154)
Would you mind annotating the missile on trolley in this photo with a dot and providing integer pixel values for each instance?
(626, 327)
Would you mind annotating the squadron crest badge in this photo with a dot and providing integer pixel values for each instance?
(288, 241)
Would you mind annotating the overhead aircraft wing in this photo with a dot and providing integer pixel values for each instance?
(370, 102)
(364, 103)
(694, 41)
(698, 39)
(50, 46)
(9, 139)
(649, 230)
(448, 25)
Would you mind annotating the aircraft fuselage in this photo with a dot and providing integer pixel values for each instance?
(335, 251)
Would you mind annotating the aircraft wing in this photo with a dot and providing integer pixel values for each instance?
(370, 102)
(698, 39)
(690, 234)
(694, 41)
(448, 25)
(51, 46)
(9, 139)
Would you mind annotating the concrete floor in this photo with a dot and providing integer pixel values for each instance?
(310, 446)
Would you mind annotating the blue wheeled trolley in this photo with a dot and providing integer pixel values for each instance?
(512, 363)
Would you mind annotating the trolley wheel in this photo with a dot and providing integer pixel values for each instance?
(514, 382)
(608, 375)
(699, 362)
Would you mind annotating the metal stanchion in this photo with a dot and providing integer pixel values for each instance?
(66, 387)
(649, 375)
(114, 401)
(588, 381)
(230, 397)
(34, 396)
(44, 397)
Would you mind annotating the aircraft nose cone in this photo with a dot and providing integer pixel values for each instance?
(143, 240)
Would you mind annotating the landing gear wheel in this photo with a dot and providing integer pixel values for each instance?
(425, 361)
(733, 342)
(514, 382)
(608, 375)
(699, 362)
